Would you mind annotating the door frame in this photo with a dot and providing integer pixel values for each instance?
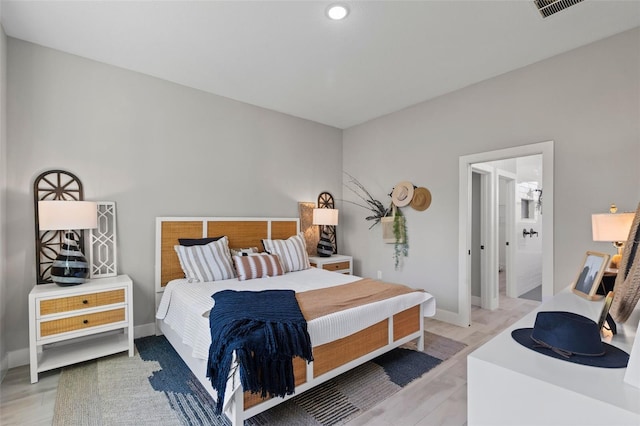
(488, 241)
(464, 218)
(509, 230)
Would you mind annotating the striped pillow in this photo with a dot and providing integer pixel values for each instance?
(257, 266)
(292, 252)
(210, 262)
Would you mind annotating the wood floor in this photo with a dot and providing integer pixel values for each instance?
(437, 398)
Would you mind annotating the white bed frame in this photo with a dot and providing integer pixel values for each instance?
(400, 328)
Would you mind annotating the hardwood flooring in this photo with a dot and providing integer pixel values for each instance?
(437, 398)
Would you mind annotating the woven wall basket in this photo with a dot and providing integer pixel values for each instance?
(388, 236)
(627, 287)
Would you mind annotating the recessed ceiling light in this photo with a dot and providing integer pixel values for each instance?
(337, 11)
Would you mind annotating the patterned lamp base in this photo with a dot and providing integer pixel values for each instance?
(70, 267)
(325, 248)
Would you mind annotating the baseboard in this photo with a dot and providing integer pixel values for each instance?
(4, 366)
(18, 358)
(449, 317)
(144, 330)
(476, 301)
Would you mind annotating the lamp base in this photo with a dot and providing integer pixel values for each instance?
(70, 267)
(325, 248)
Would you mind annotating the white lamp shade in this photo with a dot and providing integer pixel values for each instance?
(67, 215)
(325, 217)
(611, 227)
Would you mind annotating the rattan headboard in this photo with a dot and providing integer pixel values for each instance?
(241, 231)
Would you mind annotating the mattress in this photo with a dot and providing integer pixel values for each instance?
(184, 306)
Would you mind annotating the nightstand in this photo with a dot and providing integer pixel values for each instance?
(336, 263)
(78, 323)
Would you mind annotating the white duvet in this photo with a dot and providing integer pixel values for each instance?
(184, 306)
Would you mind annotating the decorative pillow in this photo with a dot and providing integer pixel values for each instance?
(210, 262)
(257, 266)
(189, 242)
(244, 251)
(292, 252)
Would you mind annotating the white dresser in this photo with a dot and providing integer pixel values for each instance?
(509, 384)
(78, 323)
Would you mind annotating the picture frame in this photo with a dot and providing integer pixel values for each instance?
(605, 313)
(590, 274)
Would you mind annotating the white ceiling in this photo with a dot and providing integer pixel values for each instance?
(288, 57)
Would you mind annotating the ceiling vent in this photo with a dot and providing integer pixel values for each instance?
(550, 7)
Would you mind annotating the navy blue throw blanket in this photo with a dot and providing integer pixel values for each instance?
(266, 329)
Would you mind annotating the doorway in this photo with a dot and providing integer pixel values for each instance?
(502, 263)
(468, 165)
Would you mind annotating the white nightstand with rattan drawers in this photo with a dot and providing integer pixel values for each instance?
(78, 323)
(336, 263)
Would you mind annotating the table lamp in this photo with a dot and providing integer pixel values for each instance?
(324, 218)
(70, 266)
(614, 228)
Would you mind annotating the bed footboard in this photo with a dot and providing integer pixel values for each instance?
(330, 360)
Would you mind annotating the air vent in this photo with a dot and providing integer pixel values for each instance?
(550, 7)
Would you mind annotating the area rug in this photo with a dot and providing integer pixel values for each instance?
(155, 387)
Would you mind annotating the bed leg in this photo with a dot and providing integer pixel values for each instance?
(420, 342)
(236, 409)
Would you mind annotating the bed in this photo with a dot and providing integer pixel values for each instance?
(341, 340)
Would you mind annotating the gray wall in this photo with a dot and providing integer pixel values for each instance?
(586, 100)
(158, 148)
(4, 283)
(153, 147)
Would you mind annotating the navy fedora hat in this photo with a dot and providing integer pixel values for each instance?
(570, 337)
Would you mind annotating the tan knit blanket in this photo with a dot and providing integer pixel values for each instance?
(324, 301)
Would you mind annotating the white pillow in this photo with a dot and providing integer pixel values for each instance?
(292, 252)
(244, 251)
(210, 262)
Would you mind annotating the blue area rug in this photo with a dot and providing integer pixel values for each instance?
(332, 403)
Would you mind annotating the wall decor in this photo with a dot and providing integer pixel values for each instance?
(53, 185)
(326, 201)
(402, 194)
(394, 231)
(421, 199)
(627, 287)
(310, 232)
(374, 206)
(102, 242)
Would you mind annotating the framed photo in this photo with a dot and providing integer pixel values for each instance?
(590, 275)
(605, 310)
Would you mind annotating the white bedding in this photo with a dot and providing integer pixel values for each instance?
(183, 305)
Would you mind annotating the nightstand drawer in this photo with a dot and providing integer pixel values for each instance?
(338, 266)
(84, 301)
(336, 263)
(80, 322)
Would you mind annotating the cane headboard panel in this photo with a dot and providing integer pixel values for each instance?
(241, 232)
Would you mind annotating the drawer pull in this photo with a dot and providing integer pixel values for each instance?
(85, 321)
(85, 301)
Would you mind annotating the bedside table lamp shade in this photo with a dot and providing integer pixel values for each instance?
(325, 217)
(70, 266)
(614, 228)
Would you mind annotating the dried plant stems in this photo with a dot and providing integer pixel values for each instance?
(370, 203)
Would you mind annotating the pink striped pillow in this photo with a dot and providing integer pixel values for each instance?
(257, 266)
